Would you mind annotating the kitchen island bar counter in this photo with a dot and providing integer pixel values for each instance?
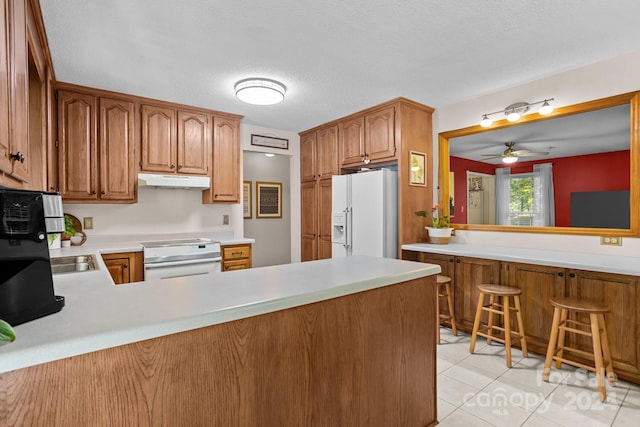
(99, 315)
(581, 261)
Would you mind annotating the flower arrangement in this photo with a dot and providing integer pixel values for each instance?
(439, 220)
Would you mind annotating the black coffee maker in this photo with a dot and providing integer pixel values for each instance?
(26, 283)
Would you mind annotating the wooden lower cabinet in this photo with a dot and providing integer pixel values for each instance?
(126, 267)
(539, 283)
(236, 257)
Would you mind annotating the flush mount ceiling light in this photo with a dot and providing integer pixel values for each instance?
(259, 91)
(516, 110)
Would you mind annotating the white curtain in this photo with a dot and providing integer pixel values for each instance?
(543, 205)
(503, 195)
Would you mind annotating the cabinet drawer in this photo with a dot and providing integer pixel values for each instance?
(236, 252)
(240, 264)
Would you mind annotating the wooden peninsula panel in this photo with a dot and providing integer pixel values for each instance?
(366, 359)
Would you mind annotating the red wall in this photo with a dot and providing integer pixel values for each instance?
(592, 172)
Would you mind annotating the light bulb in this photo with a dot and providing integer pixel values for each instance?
(545, 108)
(486, 121)
(513, 116)
(510, 159)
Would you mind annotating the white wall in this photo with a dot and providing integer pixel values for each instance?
(600, 80)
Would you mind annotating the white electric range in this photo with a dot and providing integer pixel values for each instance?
(178, 258)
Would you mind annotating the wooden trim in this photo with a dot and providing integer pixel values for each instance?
(633, 98)
(358, 360)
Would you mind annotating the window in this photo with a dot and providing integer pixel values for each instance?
(521, 207)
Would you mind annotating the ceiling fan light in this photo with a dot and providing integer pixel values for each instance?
(259, 91)
(545, 108)
(486, 121)
(510, 159)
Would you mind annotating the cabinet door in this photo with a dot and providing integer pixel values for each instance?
(621, 294)
(379, 134)
(117, 150)
(352, 141)
(159, 145)
(194, 140)
(324, 222)
(469, 273)
(538, 284)
(309, 220)
(327, 151)
(308, 157)
(77, 146)
(119, 270)
(446, 263)
(226, 161)
(5, 149)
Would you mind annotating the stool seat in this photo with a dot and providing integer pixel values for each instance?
(579, 305)
(504, 309)
(499, 290)
(595, 329)
(444, 291)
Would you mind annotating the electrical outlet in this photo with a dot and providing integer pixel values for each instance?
(88, 222)
(611, 241)
(225, 219)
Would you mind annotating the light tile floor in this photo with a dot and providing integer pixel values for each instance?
(478, 390)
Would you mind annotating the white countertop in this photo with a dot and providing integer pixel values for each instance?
(581, 261)
(99, 315)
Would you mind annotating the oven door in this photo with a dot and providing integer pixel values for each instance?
(194, 267)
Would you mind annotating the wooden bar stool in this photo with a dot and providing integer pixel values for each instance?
(444, 291)
(500, 308)
(596, 329)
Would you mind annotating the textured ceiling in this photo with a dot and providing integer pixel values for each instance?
(335, 56)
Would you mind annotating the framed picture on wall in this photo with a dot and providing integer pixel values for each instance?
(417, 168)
(270, 141)
(268, 199)
(246, 200)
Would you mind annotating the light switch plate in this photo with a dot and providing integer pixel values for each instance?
(225, 219)
(611, 241)
(87, 222)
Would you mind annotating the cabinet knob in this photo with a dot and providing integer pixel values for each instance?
(366, 159)
(179, 166)
(17, 156)
(560, 273)
(172, 166)
(103, 192)
(458, 261)
(572, 275)
(125, 266)
(93, 192)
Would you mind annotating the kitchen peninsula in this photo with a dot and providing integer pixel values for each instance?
(347, 341)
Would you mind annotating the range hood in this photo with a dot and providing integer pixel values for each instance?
(173, 181)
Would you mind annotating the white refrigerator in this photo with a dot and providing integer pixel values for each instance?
(364, 218)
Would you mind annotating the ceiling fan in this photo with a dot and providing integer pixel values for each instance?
(511, 155)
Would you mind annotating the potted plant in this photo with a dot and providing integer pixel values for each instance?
(6, 332)
(440, 231)
(69, 231)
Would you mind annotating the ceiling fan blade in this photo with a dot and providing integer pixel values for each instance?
(492, 156)
(525, 153)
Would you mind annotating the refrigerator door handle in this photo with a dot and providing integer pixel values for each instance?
(347, 238)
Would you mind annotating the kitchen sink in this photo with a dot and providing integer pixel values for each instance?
(72, 264)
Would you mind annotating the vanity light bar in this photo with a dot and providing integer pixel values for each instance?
(516, 110)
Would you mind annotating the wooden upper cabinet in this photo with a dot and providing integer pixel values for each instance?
(308, 157)
(14, 86)
(379, 131)
(225, 182)
(77, 145)
(194, 140)
(352, 141)
(368, 138)
(327, 152)
(159, 139)
(117, 150)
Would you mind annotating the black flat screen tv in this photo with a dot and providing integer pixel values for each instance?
(601, 209)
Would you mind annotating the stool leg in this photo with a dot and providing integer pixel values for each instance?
(551, 349)
(523, 339)
(476, 323)
(563, 319)
(611, 376)
(450, 304)
(507, 329)
(492, 300)
(597, 355)
(438, 315)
